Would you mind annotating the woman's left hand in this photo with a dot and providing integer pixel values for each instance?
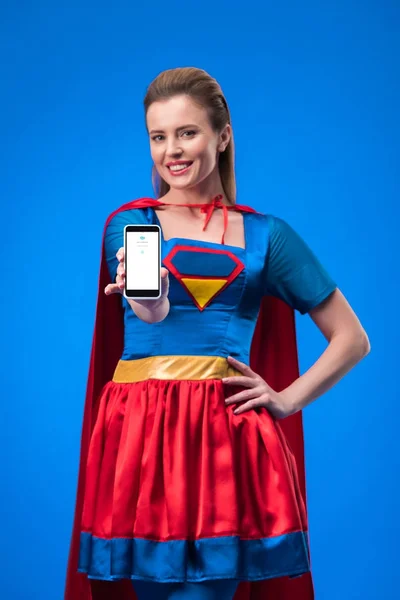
(258, 394)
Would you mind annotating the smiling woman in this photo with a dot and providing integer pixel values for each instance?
(186, 488)
(185, 154)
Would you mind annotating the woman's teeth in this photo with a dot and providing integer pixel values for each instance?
(179, 167)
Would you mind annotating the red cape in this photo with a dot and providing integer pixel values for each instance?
(273, 356)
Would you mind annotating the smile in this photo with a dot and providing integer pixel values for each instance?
(180, 169)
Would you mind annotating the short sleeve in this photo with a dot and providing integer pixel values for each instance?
(114, 235)
(293, 272)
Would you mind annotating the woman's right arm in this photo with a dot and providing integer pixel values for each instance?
(149, 311)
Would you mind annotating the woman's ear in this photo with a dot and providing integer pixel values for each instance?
(224, 138)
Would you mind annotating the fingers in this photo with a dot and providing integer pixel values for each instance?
(250, 405)
(121, 270)
(242, 367)
(164, 281)
(113, 288)
(241, 396)
(121, 265)
(240, 380)
(119, 285)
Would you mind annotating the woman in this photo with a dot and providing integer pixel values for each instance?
(192, 475)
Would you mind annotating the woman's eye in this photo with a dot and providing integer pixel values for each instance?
(160, 138)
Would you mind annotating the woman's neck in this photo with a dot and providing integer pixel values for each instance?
(191, 197)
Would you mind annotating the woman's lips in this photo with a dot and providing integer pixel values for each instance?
(180, 171)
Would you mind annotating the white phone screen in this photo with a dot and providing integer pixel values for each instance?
(142, 256)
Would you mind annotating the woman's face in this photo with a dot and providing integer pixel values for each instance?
(183, 145)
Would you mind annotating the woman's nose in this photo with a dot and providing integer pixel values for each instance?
(173, 148)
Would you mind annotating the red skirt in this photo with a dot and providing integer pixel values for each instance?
(178, 488)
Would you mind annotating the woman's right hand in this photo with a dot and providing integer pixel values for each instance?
(119, 286)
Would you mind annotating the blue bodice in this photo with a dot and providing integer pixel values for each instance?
(216, 289)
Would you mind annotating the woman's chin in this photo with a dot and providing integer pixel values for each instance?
(182, 184)
(179, 186)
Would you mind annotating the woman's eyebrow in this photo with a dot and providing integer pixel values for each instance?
(178, 128)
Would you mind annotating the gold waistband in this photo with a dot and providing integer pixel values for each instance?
(173, 367)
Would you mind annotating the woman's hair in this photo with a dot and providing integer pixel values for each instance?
(205, 91)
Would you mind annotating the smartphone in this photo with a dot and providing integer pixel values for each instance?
(142, 261)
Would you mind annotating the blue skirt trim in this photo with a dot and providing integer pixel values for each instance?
(194, 560)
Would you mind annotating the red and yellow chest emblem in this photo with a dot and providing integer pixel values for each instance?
(203, 272)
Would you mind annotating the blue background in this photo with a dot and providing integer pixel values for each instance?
(313, 89)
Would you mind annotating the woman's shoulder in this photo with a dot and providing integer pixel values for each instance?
(278, 231)
(272, 222)
(134, 211)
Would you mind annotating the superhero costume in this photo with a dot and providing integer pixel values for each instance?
(155, 413)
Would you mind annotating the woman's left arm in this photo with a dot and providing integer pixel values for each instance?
(348, 344)
(295, 275)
